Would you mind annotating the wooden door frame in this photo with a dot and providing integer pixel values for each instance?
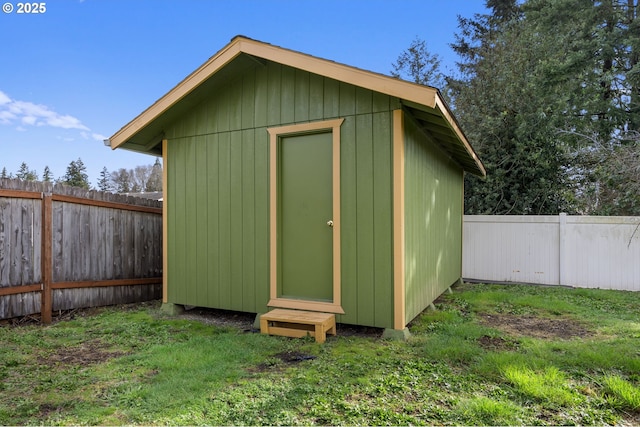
(275, 136)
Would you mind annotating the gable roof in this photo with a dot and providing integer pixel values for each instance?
(425, 103)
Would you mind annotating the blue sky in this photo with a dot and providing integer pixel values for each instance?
(75, 74)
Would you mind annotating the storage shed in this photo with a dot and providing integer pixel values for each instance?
(296, 182)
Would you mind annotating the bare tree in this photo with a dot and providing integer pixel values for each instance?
(607, 173)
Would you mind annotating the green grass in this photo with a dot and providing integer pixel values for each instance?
(489, 411)
(133, 365)
(622, 394)
(550, 386)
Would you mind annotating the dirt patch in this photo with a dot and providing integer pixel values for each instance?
(536, 327)
(46, 409)
(630, 420)
(86, 354)
(282, 360)
(497, 343)
(294, 356)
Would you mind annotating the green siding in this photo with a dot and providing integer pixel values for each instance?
(218, 199)
(382, 219)
(364, 228)
(433, 221)
(349, 223)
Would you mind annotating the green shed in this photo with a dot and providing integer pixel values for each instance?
(296, 182)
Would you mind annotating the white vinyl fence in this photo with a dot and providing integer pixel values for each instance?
(580, 251)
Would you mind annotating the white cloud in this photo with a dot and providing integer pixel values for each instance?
(94, 136)
(6, 117)
(29, 120)
(28, 113)
(65, 122)
(4, 99)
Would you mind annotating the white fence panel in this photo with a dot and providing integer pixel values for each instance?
(602, 252)
(581, 251)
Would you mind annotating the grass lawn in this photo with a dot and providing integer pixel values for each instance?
(489, 355)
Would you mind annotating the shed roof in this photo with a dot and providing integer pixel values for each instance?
(145, 132)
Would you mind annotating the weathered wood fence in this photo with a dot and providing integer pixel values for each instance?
(581, 251)
(63, 248)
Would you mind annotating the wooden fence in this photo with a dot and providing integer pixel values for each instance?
(63, 248)
(581, 251)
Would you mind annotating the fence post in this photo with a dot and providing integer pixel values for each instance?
(562, 261)
(47, 268)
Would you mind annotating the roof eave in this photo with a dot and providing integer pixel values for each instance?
(466, 157)
(448, 115)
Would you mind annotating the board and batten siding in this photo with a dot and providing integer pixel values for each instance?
(433, 221)
(217, 191)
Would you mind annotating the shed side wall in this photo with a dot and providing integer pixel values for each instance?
(217, 191)
(433, 221)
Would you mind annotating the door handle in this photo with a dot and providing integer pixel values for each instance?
(330, 223)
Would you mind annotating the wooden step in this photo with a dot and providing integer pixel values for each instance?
(298, 323)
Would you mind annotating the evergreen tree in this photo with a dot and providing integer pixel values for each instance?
(76, 175)
(548, 93)
(25, 174)
(22, 172)
(104, 183)
(496, 103)
(594, 75)
(4, 174)
(47, 176)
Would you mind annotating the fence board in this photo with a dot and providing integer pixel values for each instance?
(57, 233)
(5, 240)
(94, 238)
(15, 244)
(46, 264)
(580, 251)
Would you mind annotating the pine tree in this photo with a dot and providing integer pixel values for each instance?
(104, 183)
(591, 65)
(47, 176)
(549, 95)
(25, 174)
(76, 175)
(4, 174)
(22, 172)
(498, 106)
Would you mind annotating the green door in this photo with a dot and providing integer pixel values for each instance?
(304, 214)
